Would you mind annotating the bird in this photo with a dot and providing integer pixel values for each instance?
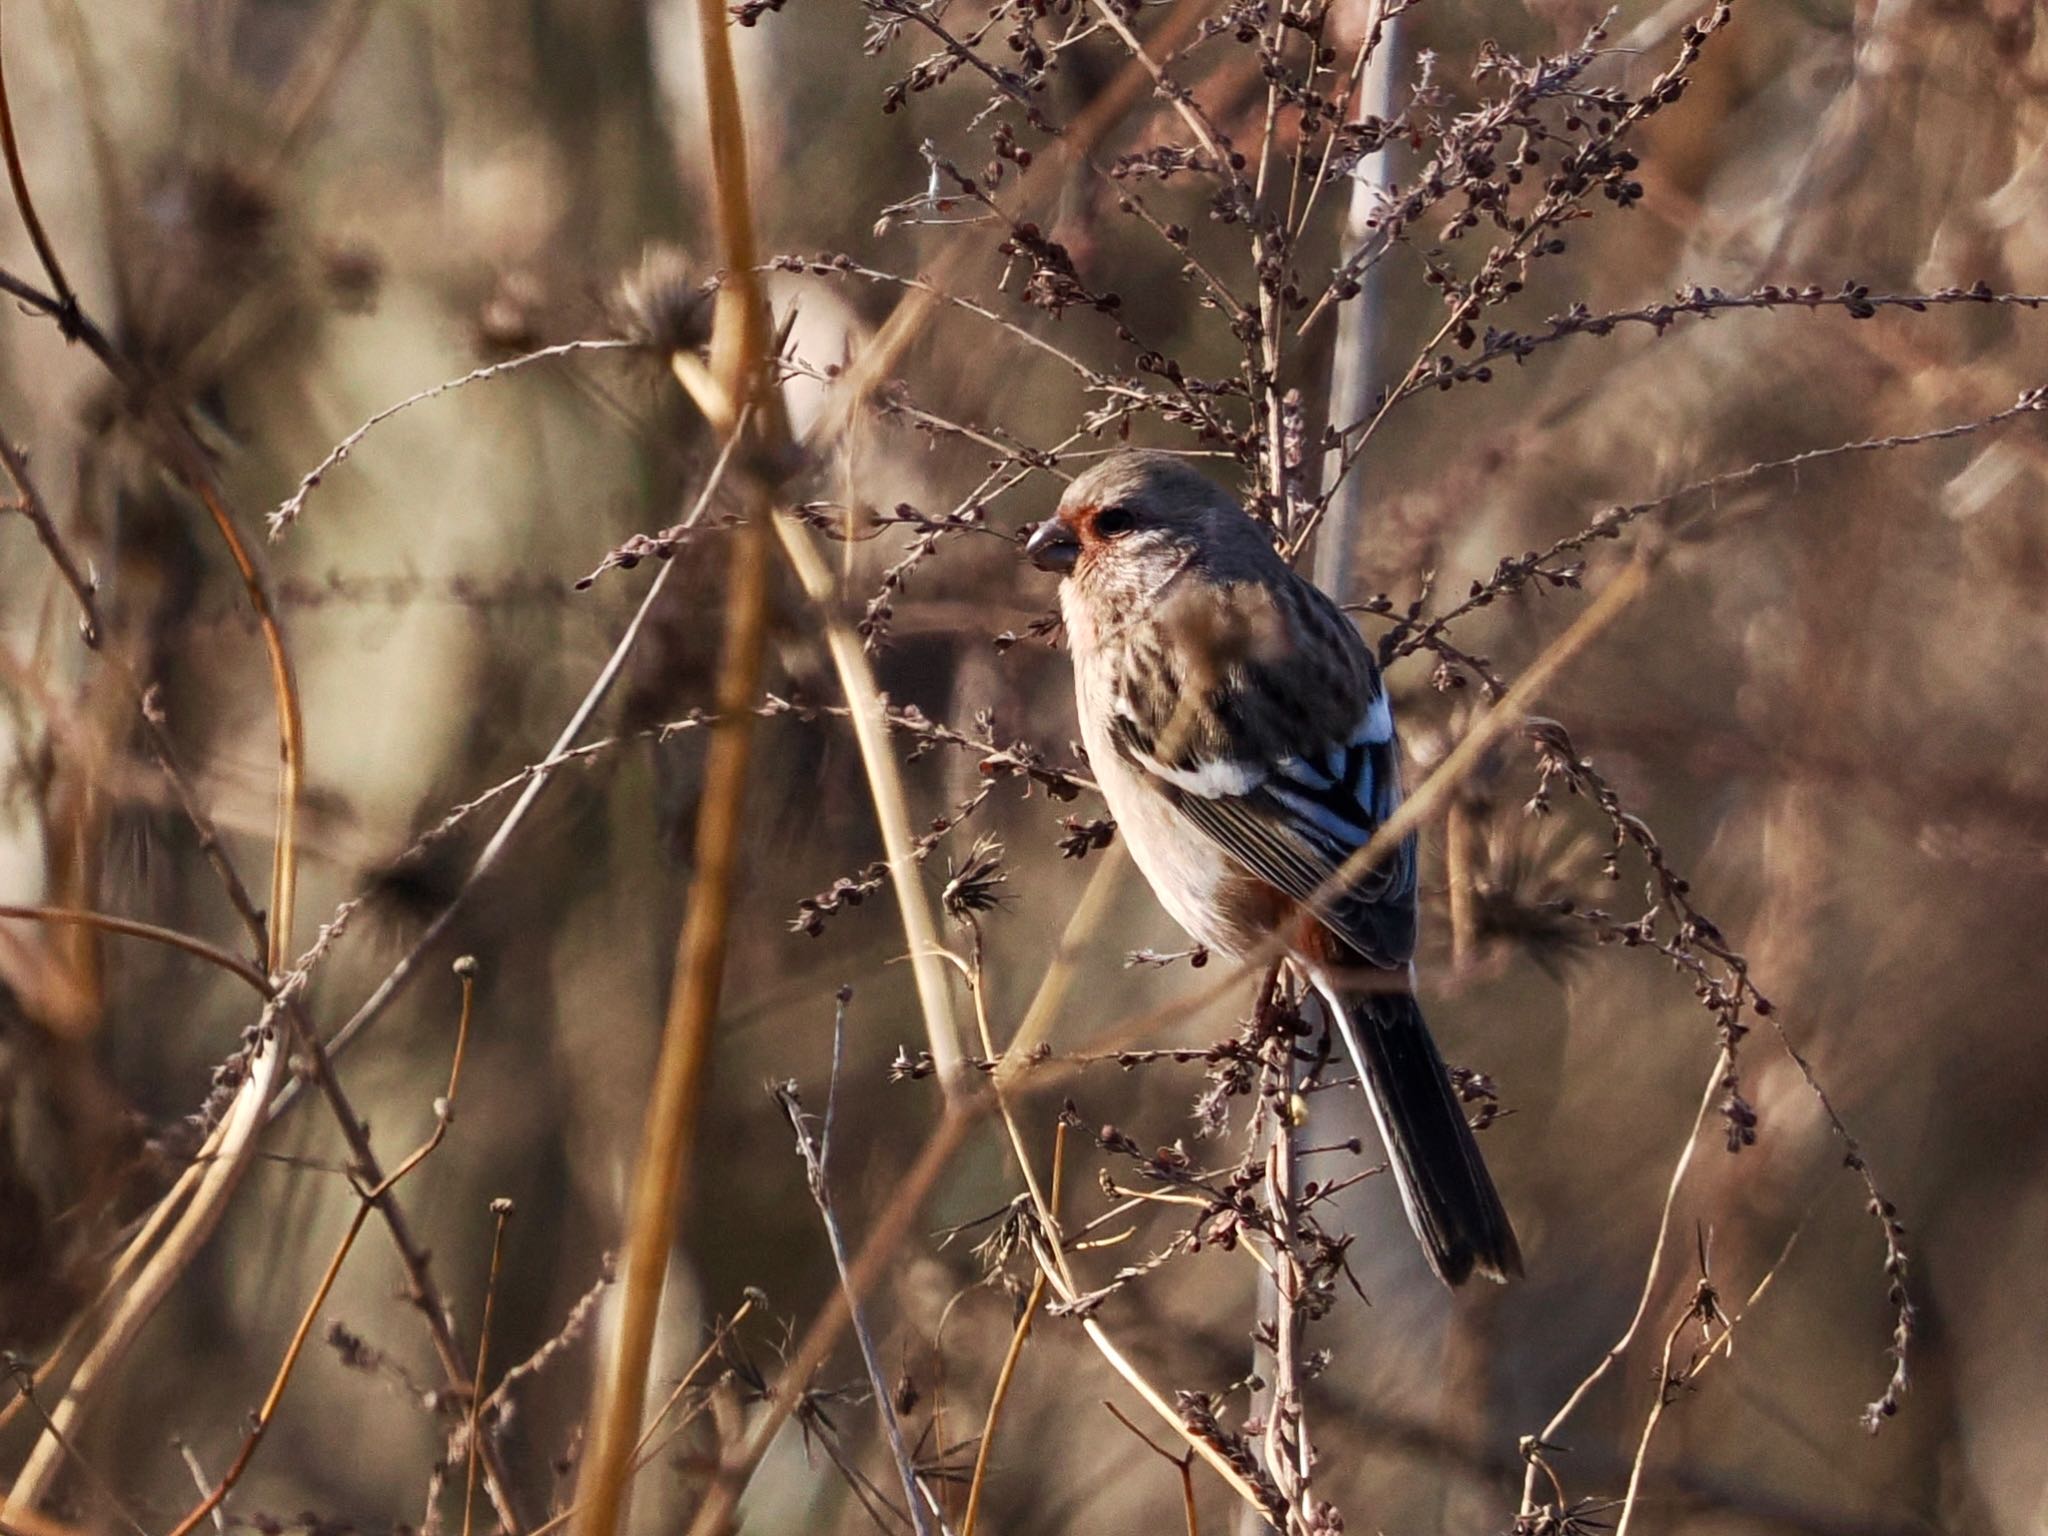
(1241, 733)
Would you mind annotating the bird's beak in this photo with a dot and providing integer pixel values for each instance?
(1053, 547)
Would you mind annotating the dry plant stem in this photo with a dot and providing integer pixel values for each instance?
(1047, 1210)
(714, 1515)
(1534, 1446)
(1614, 519)
(984, 1451)
(1072, 147)
(31, 506)
(363, 1156)
(870, 1357)
(231, 1151)
(1667, 1383)
(1165, 87)
(647, 1448)
(892, 809)
(1185, 1465)
(45, 253)
(1001, 1395)
(202, 1482)
(413, 1258)
(643, 1452)
(101, 1483)
(660, 1172)
(171, 938)
(125, 1264)
(1159, 1405)
(31, 1523)
(206, 1507)
(740, 355)
(368, 1199)
(190, 463)
(574, 1326)
(1461, 858)
(1054, 1269)
(1277, 1295)
(1286, 1435)
(1657, 1406)
(501, 1211)
(1097, 899)
(287, 511)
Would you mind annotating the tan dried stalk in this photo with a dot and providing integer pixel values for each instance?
(739, 357)
(892, 811)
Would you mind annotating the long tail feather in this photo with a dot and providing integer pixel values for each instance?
(1445, 1188)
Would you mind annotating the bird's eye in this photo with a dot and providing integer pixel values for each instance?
(1111, 521)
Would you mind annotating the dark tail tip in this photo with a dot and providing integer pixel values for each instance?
(1445, 1188)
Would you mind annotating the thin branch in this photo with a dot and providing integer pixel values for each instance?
(287, 511)
(1853, 298)
(1184, 1464)
(17, 176)
(878, 1386)
(1513, 574)
(31, 506)
(1534, 1446)
(1703, 1307)
(985, 1449)
(501, 1212)
(368, 1199)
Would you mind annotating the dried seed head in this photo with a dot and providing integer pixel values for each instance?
(661, 306)
(974, 885)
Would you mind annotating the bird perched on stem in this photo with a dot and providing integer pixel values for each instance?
(1239, 729)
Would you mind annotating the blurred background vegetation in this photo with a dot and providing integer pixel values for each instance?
(288, 214)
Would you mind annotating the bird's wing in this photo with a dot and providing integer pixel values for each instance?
(1269, 730)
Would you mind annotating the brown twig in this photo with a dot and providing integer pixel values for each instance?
(1534, 1446)
(739, 362)
(286, 513)
(730, 1478)
(67, 299)
(233, 1144)
(985, 1449)
(1704, 1308)
(814, 1156)
(1183, 1464)
(171, 938)
(368, 1199)
(501, 1212)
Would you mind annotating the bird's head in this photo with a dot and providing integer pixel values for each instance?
(1134, 512)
